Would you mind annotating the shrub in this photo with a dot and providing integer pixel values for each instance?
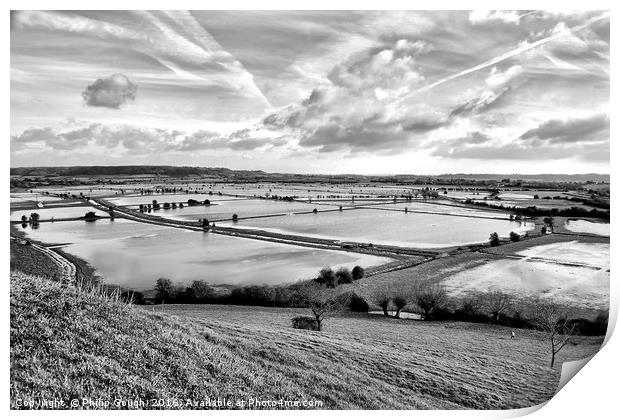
(304, 323)
(343, 275)
(357, 273)
(164, 290)
(327, 277)
(514, 237)
(494, 239)
(90, 216)
(34, 218)
(200, 292)
(358, 304)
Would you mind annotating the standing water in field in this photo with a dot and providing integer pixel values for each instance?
(135, 255)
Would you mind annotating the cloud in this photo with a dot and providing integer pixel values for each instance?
(521, 152)
(477, 17)
(142, 140)
(138, 140)
(370, 79)
(111, 92)
(33, 135)
(588, 129)
(523, 47)
(585, 139)
(244, 140)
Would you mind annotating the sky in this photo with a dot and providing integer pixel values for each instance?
(375, 92)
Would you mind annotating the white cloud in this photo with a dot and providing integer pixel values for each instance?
(477, 17)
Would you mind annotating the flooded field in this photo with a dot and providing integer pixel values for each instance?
(135, 255)
(441, 207)
(223, 210)
(57, 213)
(585, 287)
(33, 197)
(584, 226)
(135, 200)
(388, 227)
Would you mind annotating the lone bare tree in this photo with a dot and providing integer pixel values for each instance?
(382, 296)
(321, 301)
(429, 297)
(403, 296)
(497, 303)
(553, 320)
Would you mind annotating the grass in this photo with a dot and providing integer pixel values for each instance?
(30, 260)
(71, 344)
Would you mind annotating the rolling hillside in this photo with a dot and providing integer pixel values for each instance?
(71, 344)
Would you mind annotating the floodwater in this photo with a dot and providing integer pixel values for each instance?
(442, 207)
(135, 255)
(57, 212)
(388, 227)
(223, 210)
(136, 200)
(584, 226)
(584, 287)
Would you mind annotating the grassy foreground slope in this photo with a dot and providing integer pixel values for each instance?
(71, 344)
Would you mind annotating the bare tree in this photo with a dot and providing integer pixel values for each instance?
(402, 296)
(497, 303)
(553, 320)
(400, 301)
(382, 296)
(321, 301)
(429, 297)
(471, 304)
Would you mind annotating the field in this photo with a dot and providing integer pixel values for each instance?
(57, 213)
(97, 345)
(135, 255)
(573, 272)
(27, 259)
(208, 351)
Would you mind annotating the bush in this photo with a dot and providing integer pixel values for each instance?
(326, 277)
(358, 304)
(514, 237)
(90, 216)
(357, 273)
(494, 239)
(343, 275)
(304, 323)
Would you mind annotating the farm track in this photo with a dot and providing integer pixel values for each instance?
(68, 270)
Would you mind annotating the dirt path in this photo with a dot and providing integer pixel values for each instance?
(66, 267)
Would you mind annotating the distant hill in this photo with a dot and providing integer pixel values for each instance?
(196, 171)
(536, 177)
(126, 170)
